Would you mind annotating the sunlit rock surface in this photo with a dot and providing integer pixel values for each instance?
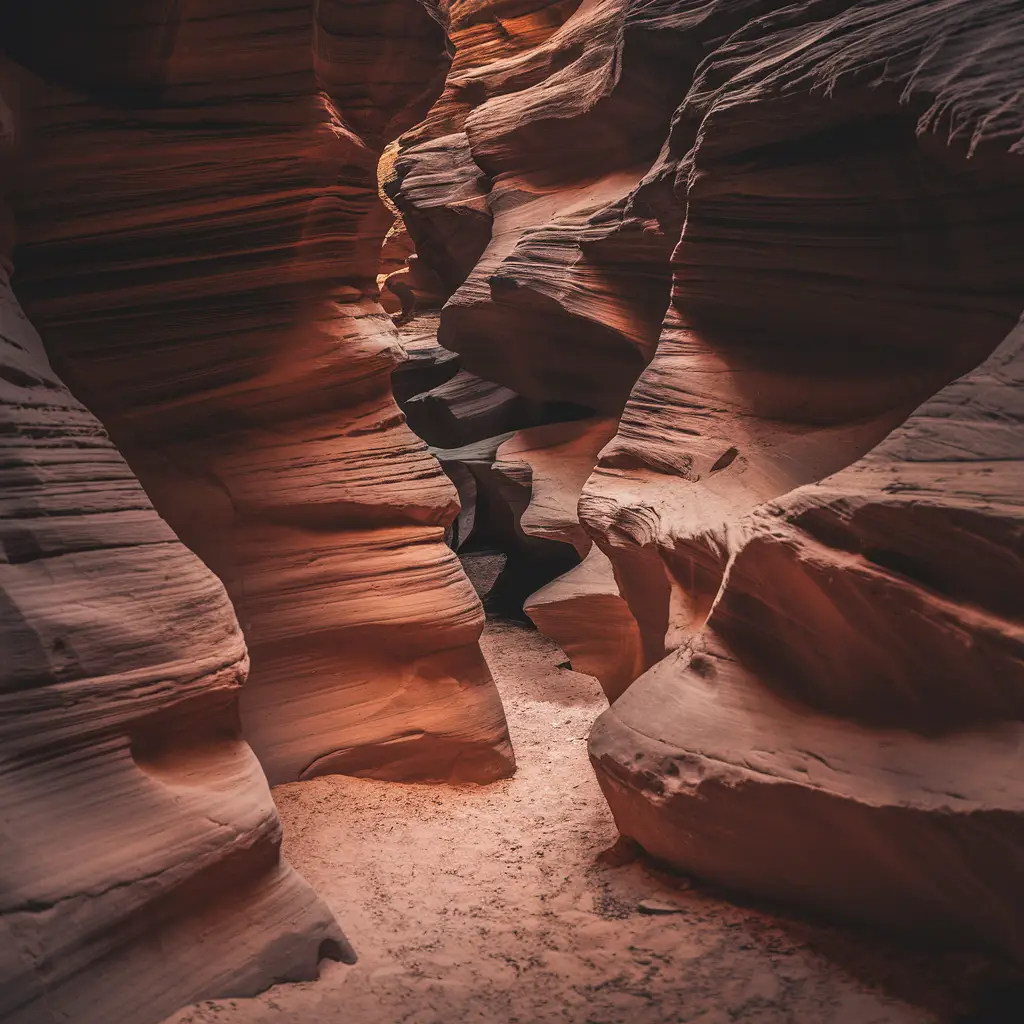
(200, 233)
(761, 235)
(842, 670)
(853, 705)
(140, 845)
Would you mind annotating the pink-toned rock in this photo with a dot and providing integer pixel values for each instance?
(582, 609)
(466, 409)
(552, 462)
(761, 235)
(855, 699)
(584, 613)
(426, 364)
(838, 672)
(141, 848)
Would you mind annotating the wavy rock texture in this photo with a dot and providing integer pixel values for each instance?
(467, 408)
(141, 847)
(201, 262)
(526, 257)
(752, 392)
(826, 197)
(834, 665)
(855, 701)
(534, 191)
(426, 364)
(431, 175)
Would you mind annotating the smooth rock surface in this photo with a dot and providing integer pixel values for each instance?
(760, 235)
(140, 846)
(833, 714)
(202, 263)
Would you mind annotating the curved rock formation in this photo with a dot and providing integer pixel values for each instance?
(835, 197)
(854, 707)
(827, 198)
(534, 256)
(584, 613)
(752, 253)
(140, 845)
(852, 242)
(582, 609)
(201, 263)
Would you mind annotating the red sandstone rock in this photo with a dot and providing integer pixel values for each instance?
(426, 364)
(202, 263)
(848, 667)
(481, 492)
(828, 663)
(553, 462)
(495, 494)
(140, 845)
(466, 409)
(827, 610)
(585, 614)
(582, 609)
(855, 699)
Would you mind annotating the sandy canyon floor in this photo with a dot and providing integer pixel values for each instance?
(489, 904)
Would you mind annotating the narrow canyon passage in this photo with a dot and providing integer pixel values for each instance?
(386, 384)
(488, 903)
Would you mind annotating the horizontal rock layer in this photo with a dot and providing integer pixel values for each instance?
(141, 847)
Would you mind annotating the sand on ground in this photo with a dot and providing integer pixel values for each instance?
(488, 904)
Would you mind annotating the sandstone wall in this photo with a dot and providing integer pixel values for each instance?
(761, 235)
(194, 189)
(199, 237)
(140, 847)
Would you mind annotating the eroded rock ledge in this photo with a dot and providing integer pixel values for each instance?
(771, 241)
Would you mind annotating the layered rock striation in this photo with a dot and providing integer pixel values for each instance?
(199, 237)
(198, 229)
(140, 845)
(840, 659)
(715, 299)
(771, 242)
(853, 704)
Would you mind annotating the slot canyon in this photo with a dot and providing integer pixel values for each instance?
(511, 511)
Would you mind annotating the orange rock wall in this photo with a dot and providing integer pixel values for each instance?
(764, 236)
(199, 237)
(140, 847)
